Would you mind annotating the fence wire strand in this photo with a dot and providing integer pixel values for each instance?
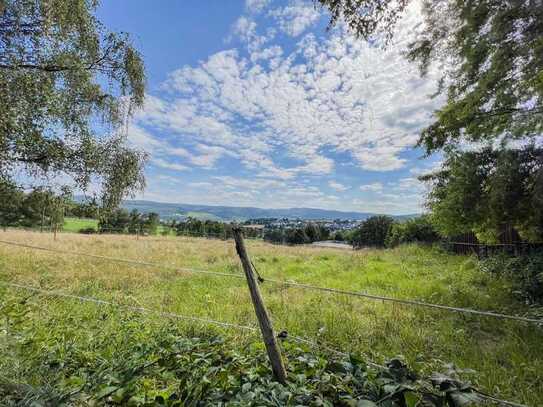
(290, 284)
(406, 301)
(126, 261)
(128, 307)
(143, 310)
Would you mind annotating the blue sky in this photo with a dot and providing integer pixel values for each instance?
(255, 103)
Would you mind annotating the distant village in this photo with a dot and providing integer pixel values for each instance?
(286, 223)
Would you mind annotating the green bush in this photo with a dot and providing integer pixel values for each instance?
(373, 231)
(296, 236)
(526, 272)
(338, 236)
(418, 229)
(88, 230)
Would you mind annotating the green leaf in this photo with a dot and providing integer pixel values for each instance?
(106, 391)
(366, 403)
(462, 399)
(411, 399)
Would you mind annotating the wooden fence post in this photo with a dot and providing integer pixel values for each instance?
(274, 353)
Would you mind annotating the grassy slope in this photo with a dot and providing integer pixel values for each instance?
(507, 355)
(75, 224)
(202, 216)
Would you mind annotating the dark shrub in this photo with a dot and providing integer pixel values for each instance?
(373, 231)
(88, 231)
(525, 271)
(338, 236)
(418, 229)
(296, 236)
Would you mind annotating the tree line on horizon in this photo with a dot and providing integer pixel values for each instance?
(44, 209)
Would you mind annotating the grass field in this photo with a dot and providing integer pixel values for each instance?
(507, 356)
(76, 224)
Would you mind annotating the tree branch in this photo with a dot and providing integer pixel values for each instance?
(45, 68)
(94, 65)
(535, 110)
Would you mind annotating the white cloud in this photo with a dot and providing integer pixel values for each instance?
(427, 168)
(205, 185)
(238, 191)
(296, 18)
(373, 187)
(411, 184)
(337, 186)
(394, 204)
(204, 155)
(159, 162)
(280, 109)
(339, 93)
(272, 54)
(256, 6)
(245, 28)
(168, 178)
(251, 184)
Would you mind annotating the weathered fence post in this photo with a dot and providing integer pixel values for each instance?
(274, 353)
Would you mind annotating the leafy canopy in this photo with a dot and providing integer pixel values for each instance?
(65, 83)
(40, 207)
(486, 191)
(419, 229)
(373, 231)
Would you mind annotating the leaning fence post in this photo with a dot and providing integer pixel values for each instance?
(274, 353)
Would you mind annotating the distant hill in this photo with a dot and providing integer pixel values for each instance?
(228, 213)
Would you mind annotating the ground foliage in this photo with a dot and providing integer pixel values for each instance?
(142, 365)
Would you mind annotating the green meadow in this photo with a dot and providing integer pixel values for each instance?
(501, 357)
(76, 224)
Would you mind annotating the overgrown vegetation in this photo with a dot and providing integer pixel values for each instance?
(41, 207)
(133, 222)
(197, 227)
(506, 355)
(87, 360)
(373, 232)
(416, 230)
(526, 273)
(381, 231)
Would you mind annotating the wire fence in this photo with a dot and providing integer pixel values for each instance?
(483, 250)
(409, 302)
(248, 328)
(173, 234)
